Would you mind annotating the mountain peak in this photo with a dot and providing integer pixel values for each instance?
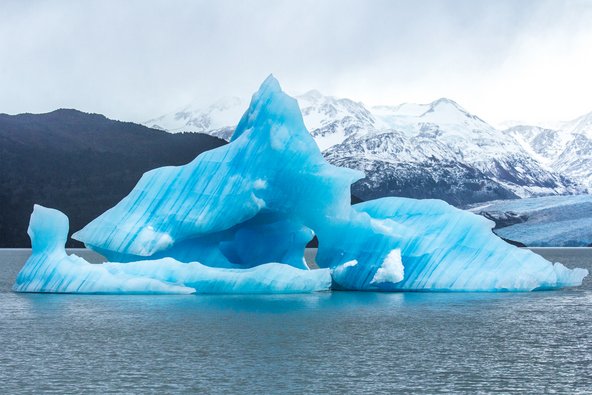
(225, 103)
(312, 94)
(71, 113)
(580, 125)
(443, 101)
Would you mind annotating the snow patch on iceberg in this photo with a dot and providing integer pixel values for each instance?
(391, 271)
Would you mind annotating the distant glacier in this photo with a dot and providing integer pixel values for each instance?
(551, 221)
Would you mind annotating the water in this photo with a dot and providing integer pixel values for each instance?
(328, 342)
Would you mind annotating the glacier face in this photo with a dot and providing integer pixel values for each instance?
(237, 219)
(550, 221)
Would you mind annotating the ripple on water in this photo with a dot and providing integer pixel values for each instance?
(327, 342)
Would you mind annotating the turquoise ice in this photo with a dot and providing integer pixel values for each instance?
(249, 208)
(444, 248)
(51, 269)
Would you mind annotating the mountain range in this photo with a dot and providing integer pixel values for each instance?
(566, 149)
(433, 150)
(84, 163)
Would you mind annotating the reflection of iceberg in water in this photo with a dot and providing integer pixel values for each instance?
(260, 199)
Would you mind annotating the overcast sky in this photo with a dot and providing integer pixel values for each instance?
(134, 60)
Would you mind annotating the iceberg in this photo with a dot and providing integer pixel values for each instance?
(51, 269)
(445, 248)
(238, 218)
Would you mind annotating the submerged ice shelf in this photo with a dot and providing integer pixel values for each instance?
(238, 218)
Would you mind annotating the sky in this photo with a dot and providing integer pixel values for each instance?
(135, 60)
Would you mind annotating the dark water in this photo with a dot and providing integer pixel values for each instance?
(338, 342)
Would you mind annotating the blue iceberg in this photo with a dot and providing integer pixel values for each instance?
(51, 269)
(238, 218)
(444, 248)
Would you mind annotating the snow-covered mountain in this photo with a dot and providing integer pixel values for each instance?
(566, 150)
(331, 120)
(218, 119)
(433, 150)
(441, 150)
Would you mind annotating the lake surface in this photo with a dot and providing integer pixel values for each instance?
(338, 342)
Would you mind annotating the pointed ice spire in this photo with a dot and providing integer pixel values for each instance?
(270, 83)
(271, 106)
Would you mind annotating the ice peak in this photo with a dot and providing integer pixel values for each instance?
(271, 84)
(267, 90)
(271, 106)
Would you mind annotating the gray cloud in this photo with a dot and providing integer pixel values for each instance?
(137, 59)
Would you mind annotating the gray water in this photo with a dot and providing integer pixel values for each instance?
(539, 342)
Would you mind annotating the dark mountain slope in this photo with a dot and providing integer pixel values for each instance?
(79, 163)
